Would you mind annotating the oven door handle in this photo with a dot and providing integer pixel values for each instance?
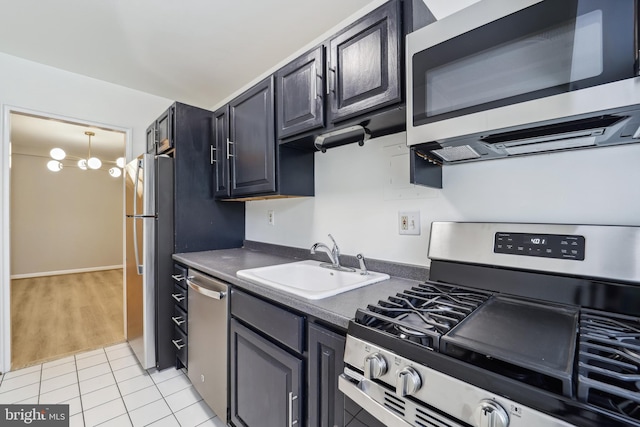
(355, 393)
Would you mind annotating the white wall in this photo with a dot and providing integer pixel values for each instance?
(28, 86)
(64, 221)
(49, 90)
(356, 202)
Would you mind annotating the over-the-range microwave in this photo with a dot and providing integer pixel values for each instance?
(510, 77)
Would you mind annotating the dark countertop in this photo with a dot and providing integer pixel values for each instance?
(336, 310)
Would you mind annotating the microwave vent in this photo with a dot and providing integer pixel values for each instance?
(566, 127)
(455, 154)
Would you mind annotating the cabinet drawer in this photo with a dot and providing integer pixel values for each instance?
(279, 324)
(180, 275)
(180, 341)
(179, 318)
(179, 296)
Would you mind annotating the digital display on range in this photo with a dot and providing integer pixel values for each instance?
(570, 247)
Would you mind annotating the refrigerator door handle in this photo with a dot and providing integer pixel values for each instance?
(139, 267)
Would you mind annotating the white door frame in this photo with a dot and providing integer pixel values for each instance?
(5, 237)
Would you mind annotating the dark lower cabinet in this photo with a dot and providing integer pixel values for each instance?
(325, 402)
(176, 317)
(266, 381)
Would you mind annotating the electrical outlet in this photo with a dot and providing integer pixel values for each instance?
(271, 217)
(409, 223)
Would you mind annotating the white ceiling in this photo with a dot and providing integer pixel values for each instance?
(195, 51)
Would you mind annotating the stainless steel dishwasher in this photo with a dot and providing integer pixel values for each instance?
(207, 344)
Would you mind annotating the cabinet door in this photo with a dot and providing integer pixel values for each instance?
(220, 158)
(325, 401)
(151, 139)
(300, 93)
(365, 64)
(164, 131)
(252, 141)
(266, 381)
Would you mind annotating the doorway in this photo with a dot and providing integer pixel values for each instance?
(66, 247)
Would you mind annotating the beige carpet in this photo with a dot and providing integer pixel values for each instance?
(56, 316)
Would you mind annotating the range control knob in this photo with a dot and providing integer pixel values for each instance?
(491, 414)
(407, 382)
(375, 366)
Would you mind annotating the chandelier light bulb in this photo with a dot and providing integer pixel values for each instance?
(82, 164)
(54, 165)
(120, 162)
(94, 163)
(115, 172)
(57, 153)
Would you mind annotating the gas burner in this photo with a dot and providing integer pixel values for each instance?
(633, 354)
(422, 313)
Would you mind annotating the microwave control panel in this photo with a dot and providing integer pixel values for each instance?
(570, 247)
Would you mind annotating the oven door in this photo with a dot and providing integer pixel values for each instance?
(499, 53)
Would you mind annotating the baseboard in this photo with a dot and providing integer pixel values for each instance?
(61, 272)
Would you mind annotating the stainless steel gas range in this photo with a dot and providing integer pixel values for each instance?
(530, 325)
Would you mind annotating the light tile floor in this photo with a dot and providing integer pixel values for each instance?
(107, 387)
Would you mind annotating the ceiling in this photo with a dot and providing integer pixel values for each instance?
(195, 51)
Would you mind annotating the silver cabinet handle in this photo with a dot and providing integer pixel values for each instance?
(177, 343)
(178, 297)
(229, 144)
(318, 88)
(213, 149)
(206, 292)
(178, 320)
(291, 399)
(332, 78)
(178, 277)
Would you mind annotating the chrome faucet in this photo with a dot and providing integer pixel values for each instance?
(334, 253)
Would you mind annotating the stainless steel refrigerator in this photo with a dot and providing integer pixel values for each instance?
(149, 245)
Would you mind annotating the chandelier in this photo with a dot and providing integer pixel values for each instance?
(90, 162)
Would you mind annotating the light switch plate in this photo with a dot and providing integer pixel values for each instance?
(409, 223)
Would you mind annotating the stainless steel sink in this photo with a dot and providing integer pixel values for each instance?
(309, 280)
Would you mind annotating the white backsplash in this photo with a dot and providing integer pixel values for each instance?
(358, 197)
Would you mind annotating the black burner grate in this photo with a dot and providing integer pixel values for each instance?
(609, 362)
(422, 313)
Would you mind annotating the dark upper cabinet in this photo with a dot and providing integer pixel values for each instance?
(165, 137)
(246, 159)
(266, 382)
(364, 67)
(219, 154)
(325, 402)
(151, 138)
(252, 142)
(160, 134)
(300, 94)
